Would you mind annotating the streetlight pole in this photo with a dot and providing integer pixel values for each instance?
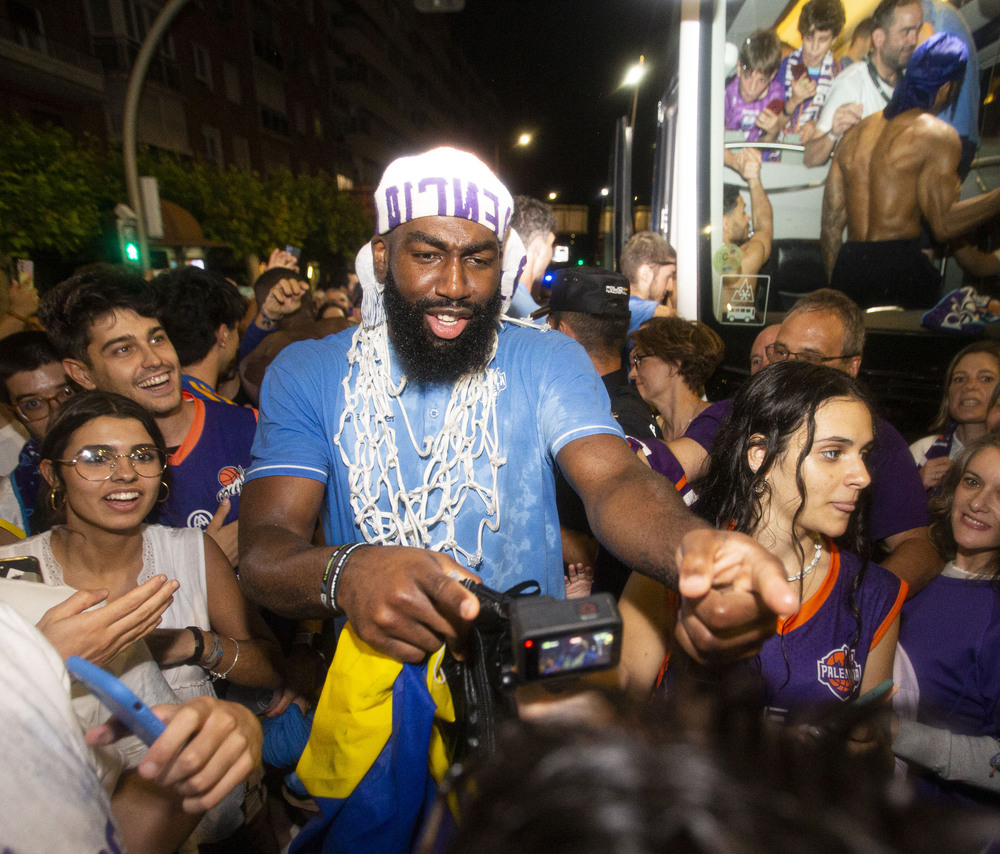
(633, 78)
(129, 131)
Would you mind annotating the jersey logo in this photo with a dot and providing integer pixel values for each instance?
(839, 672)
(199, 519)
(231, 479)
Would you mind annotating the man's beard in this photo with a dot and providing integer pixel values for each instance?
(427, 359)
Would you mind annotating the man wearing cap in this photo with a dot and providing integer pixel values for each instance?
(915, 156)
(591, 306)
(428, 438)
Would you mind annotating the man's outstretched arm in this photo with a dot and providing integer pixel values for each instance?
(732, 588)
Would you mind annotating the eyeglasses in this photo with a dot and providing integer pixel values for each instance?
(37, 407)
(637, 359)
(780, 353)
(99, 464)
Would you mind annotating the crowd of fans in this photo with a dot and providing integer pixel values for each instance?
(203, 487)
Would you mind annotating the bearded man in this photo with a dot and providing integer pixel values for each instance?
(428, 437)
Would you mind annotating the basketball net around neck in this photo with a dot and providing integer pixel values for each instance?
(409, 511)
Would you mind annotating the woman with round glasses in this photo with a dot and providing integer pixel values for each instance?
(103, 459)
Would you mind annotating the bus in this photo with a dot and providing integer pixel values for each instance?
(904, 362)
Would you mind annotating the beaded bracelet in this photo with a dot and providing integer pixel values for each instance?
(338, 571)
(199, 645)
(214, 656)
(215, 676)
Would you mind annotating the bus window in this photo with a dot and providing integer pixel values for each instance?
(759, 73)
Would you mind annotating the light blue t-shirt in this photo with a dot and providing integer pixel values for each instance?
(642, 310)
(549, 395)
(946, 19)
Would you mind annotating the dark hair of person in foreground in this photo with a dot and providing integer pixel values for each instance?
(643, 782)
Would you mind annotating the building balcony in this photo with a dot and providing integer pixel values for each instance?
(117, 55)
(34, 61)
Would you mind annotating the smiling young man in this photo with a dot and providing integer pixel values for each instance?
(106, 326)
(427, 439)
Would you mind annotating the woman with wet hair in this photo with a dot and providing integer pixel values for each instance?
(788, 469)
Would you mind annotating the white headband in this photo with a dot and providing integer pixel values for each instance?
(440, 182)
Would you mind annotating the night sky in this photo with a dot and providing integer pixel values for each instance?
(556, 67)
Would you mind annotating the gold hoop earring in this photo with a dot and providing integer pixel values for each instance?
(166, 495)
(57, 499)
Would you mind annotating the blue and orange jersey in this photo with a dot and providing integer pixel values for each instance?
(209, 465)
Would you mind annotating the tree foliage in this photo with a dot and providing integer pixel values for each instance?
(253, 214)
(57, 194)
(54, 190)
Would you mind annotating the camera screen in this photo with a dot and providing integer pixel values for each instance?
(575, 652)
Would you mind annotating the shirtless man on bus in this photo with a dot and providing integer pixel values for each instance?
(891, 169)
(755, 243)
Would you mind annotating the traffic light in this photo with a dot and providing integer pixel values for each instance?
(128, 241)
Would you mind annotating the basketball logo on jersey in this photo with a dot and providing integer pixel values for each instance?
(839, 672)
(231, 480)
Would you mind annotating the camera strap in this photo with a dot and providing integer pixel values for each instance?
(481, 686)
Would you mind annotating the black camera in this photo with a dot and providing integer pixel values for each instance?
(519, 637)
(538, 637)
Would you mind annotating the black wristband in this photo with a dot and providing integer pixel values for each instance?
(199, 645)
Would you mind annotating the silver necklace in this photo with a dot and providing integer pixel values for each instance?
(812, 564)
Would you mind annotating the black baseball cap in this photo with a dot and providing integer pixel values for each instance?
(588, 290)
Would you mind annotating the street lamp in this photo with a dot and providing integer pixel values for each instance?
(524, 139)
(552, 196)
(633, 78)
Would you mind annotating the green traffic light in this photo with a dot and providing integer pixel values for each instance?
(131, 252)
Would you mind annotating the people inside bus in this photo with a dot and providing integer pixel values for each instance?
(969, 383)
(916, 157)
(860, 45)
(672, 360)
(650, 265)
(949, 700)
(866, 87)
(754, 244)
(808, 72)
(789, 468)
(754, 94)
